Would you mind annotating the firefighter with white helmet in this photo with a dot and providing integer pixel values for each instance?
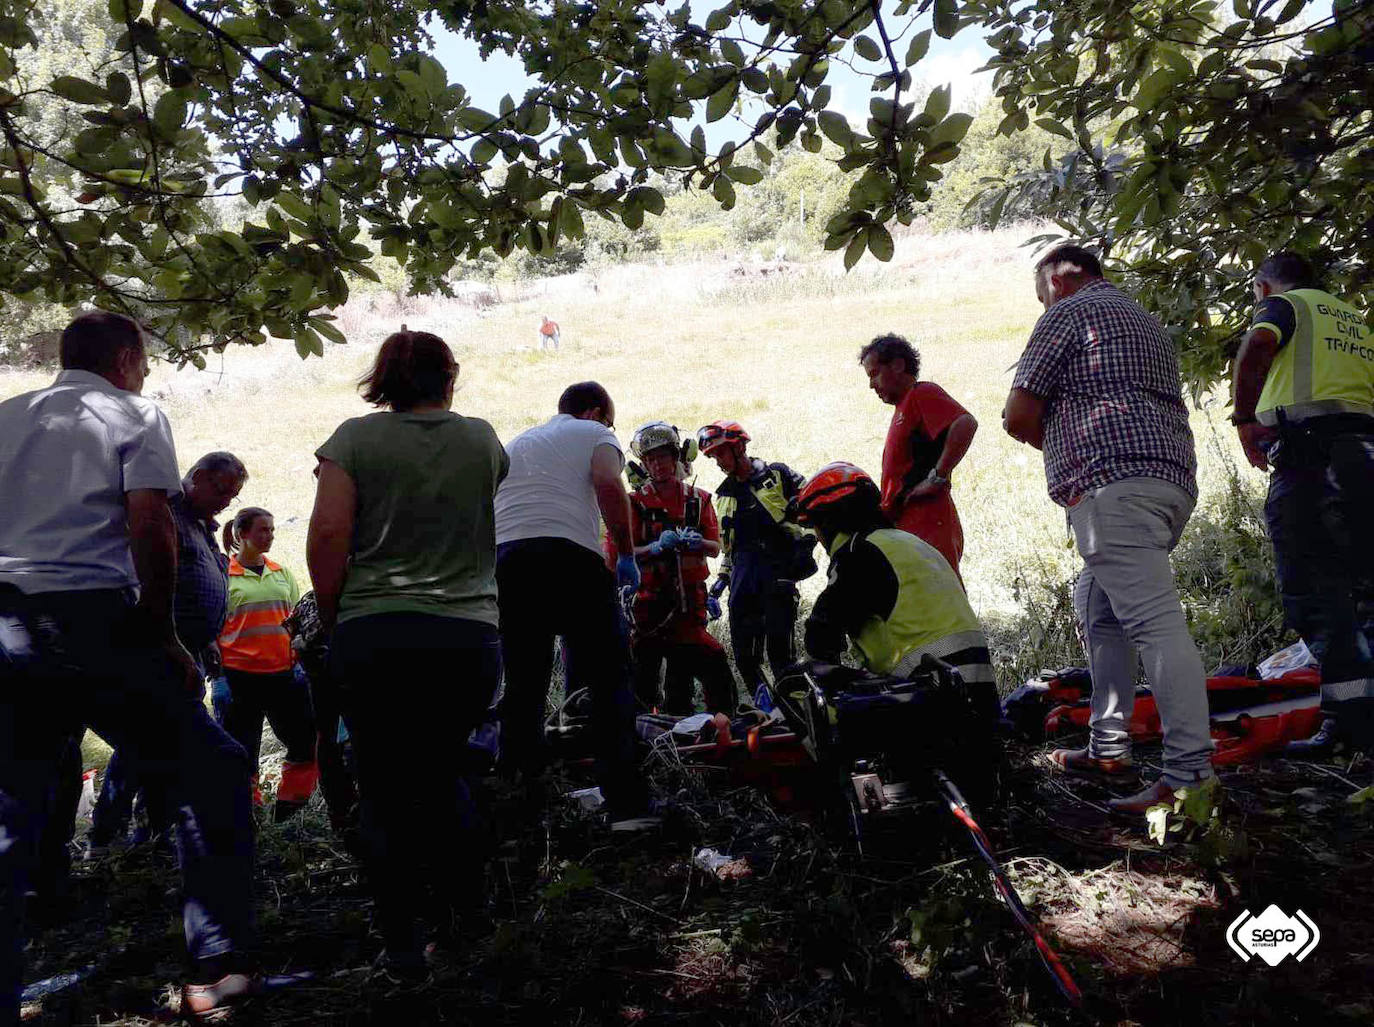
(675, 531)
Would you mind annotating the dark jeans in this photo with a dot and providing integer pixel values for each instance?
(413, 688)
(51, 879)
(336, 777)
(763, 622)
(74, 658)
(1321, 498)
(283, 700)
(550, 587)
(122, 790)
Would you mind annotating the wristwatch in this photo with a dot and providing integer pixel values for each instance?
(936, 478)
(1238, 419)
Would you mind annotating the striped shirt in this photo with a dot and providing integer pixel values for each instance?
(1108, 372)
(254, 638)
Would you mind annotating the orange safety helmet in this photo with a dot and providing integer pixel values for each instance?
(718, 433)
(831, 487)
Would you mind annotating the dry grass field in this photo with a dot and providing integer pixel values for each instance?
(772, 346)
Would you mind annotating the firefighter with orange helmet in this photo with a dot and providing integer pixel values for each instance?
(675, 531)
(765, 551)
(891, 594)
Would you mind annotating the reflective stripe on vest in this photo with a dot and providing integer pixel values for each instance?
(932, 613)
(1327, 367)
(770, 493)
(254, 639)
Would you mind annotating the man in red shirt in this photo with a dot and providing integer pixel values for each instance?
(675, 530)
(929, 435)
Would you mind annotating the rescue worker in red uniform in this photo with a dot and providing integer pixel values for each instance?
(929, 434)
(675, 531)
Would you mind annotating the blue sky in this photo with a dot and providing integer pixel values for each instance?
(951, 61)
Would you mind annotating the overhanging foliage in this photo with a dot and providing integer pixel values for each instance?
(232, 163)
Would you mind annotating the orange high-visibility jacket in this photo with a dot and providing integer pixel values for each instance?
(253, 638)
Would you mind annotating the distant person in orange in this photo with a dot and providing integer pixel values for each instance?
(548, 334)
(929, 435)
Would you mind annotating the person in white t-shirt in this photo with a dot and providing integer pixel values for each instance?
(552, 581)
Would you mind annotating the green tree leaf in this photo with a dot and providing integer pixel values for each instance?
(917, 49)
(78, 90)
(880, 243)
(868, 49)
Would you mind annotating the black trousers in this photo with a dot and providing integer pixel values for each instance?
(1321, 498)
(763, 622)
(688, 661)
(336, 777)
(550, 588)
(283, 700)
(413, 688)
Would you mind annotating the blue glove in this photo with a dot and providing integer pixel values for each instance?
(669, 540)
(691, 540)
(712, 608)
(718, 589)
(627, 571)
(220, 698)
(219, 689)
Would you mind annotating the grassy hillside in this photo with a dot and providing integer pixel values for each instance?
(773, 346)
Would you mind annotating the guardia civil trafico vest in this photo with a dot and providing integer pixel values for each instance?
(1327, 367)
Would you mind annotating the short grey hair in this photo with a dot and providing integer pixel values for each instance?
(219, 461)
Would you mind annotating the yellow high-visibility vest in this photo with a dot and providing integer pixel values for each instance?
(1327, 367)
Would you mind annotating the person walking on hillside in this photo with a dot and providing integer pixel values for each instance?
(88, 550)
(259, 667)
(565, 478)
(765, 552)
(199, 610)
(675, 532)
(1097, 389)
(929, 434)
(549, 335)
(1304, 406)
(402, 553)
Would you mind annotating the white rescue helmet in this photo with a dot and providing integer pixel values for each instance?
(660, 434)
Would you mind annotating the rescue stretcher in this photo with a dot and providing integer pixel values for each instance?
(1250, 717)
(876, 750)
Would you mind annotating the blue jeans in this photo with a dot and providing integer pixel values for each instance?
(413, 687)
(71, 659)
(1321, 501)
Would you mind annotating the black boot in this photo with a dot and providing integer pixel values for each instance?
(1319, 744)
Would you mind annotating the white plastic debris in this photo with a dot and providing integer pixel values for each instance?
(87, 803)
(691, 725)
(1295, 657)
(587, 798)
(721, 865)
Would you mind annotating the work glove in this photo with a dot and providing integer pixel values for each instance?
(712, 608)
(220, 697)
(667, 542)
(627, 571)
(691, 540)
(719, 586)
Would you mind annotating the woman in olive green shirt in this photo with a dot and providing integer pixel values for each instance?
(402, 552)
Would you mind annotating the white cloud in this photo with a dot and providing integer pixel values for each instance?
(957, 70)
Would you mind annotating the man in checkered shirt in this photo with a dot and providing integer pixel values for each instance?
(1097, 389)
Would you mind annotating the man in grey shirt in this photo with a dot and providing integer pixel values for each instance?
(87, 566)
